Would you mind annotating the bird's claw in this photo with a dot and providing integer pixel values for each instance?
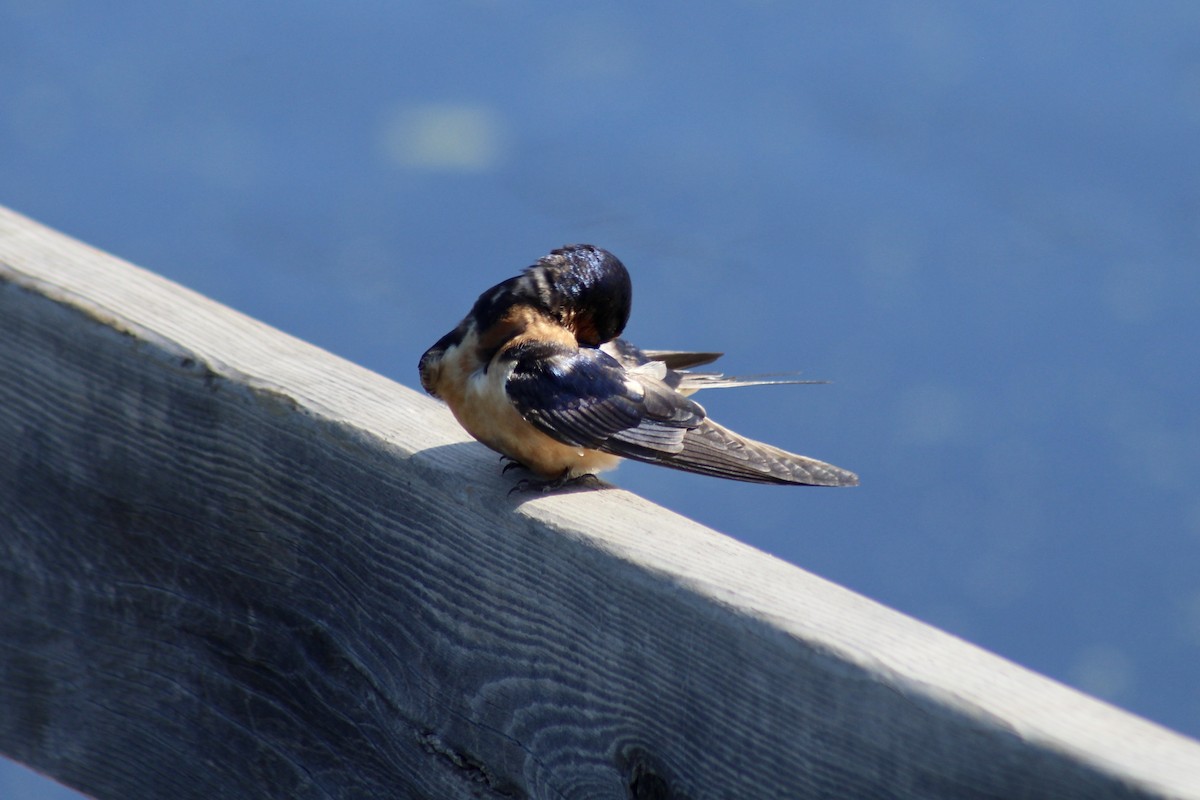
(553, 484)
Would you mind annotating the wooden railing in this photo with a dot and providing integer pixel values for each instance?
(234, 565)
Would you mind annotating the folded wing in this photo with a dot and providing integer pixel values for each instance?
(586, 397)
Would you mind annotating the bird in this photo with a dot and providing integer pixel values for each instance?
(536, 371)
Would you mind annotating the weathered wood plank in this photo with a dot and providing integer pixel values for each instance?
(233, 565)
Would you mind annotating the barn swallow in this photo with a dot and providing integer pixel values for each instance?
(536, 372)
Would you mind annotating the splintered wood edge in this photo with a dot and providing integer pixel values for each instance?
(932, 667)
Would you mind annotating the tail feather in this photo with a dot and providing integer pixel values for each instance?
(691, 382)
(680, 359)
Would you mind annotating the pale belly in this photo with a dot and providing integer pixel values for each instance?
(485, 411)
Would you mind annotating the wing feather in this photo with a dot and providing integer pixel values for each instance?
(711, 449)
(584, 397)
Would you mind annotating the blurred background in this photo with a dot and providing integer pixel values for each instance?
(981, 222)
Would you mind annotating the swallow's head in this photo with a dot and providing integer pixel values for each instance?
(587, 289)
(580, 287)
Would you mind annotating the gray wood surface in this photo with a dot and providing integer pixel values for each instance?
(234, 565)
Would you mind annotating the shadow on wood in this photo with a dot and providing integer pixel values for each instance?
(234, 565)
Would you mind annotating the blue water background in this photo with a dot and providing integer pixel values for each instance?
(980, 221)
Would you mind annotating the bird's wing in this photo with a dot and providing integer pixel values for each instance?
(711, 449)
(584, 397)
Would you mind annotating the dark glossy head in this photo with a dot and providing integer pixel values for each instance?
(589, 291)
(583, 287)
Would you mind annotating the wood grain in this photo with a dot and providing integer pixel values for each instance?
(234, 565)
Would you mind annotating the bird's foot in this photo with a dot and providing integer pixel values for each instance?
(553, 484)
(510, 463)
